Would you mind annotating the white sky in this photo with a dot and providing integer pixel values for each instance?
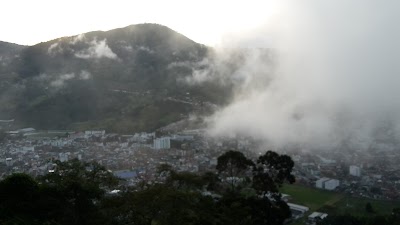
(209, 22)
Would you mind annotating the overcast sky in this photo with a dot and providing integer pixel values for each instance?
(209, 22)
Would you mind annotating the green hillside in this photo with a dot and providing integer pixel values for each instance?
(123, 80)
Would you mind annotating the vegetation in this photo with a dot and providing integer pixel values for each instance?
(313, 198)
(76, 193)
(335, 203)
(44, 87)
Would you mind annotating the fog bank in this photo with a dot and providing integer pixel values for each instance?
(333, 82)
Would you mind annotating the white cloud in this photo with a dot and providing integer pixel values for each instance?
(54, 49)
(96, 50)
(61, 79)
(335, 82)
(146, 49)
(85, 75)
(78, 38)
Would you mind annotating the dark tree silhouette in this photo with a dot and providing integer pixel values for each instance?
(234, 167)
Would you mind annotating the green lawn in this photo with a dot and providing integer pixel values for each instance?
(310, 197)
(356, 206)
(332, 202)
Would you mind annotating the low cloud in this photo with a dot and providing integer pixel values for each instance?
(332, 83)
(240, 67)
(96, 50)
(61, 79)
(78, 38)
(54, 49)
(146, 49)
(85, 75)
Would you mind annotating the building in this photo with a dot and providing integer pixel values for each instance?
(355, 171)
(327, 183)
(162, 143)
(314, 217)
(331, 184)
(320, 183)
(297, 210)
(9, 161)
(63, 157)
(97, 133)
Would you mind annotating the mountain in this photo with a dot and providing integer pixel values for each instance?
(10, 50)
(123, 80)
(9, 55)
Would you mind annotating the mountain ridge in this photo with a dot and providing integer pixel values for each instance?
(84, 81)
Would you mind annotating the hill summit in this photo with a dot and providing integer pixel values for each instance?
(126, 79)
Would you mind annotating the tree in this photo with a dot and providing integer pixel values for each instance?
(271, 171)
(266, 205)
(19, 194)
(234, 167)
(82, 184)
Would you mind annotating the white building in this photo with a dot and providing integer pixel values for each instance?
(315, 217)
(98, 133)
(327, 183)
(321, 182)
(182, 137)
(331, 184)
(355, 171)
(63, 157)
(297, 210)
(300, 208)
(162, 143)
(9, 161)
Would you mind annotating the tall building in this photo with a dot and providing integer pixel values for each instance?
(355, 171)
(162, 143)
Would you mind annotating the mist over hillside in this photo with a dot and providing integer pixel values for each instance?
(136, 78)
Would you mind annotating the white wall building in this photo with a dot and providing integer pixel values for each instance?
(97, 133)
(327, 183)
(9, 161)
(315, 217)
(162, 143)
(355, 171)
(331, 184)
(63, 157)
(321, 182)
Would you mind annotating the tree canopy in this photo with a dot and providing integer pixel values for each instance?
(76, 193)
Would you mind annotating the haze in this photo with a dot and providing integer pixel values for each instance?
(336, 79)
(334, 82)
(30, 22)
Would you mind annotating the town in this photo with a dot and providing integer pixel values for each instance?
(135, 157)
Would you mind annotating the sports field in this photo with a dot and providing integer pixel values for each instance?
(332, 202)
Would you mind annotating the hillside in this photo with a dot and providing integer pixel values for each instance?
(123, 80)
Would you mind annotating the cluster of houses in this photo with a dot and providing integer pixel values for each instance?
(136, 157)
(359, 174)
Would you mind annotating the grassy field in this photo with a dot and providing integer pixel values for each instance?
(356, 206)
(332, 202)
(310, 197)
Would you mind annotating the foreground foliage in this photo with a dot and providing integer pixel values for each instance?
(241, 192)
